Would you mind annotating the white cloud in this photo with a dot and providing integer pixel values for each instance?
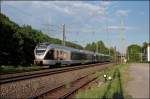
(122, 12)
(105, 3)
(78, 12)
(15, 3)
(76, 9)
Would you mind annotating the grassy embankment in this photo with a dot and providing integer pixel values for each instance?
(115, 88)
(17, 69)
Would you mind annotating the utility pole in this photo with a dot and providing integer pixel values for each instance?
(115, 56)
(122, 38)
(63, 39)
(128, 53)
(117, 59)
(141, 55)
(107, 31)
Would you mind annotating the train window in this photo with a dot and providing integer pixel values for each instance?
(39, 52)
(50, 55)
(61, 52)
(42, 46)
(65, 55)
(78, 56)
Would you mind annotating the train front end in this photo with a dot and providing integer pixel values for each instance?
(39, 53)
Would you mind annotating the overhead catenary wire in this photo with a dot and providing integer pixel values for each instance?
(36, 18)
(57, 27)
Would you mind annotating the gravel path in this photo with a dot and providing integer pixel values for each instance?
(138, 87)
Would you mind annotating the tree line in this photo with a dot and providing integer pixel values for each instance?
(134, 53)
(137, 53)
(17, 43)
(100, 47)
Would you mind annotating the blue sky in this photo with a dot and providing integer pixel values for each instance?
(86, 21)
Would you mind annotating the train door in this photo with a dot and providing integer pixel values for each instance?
(57, 55)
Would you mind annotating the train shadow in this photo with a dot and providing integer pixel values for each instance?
(118, 92)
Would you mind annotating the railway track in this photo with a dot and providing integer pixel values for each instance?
(28, 75)
(63, 92)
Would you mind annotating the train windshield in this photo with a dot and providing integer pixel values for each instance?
(40, 51)
(42, 46)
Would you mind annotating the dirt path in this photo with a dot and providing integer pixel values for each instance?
(138, 87)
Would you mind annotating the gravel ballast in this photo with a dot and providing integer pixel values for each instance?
(35, 86)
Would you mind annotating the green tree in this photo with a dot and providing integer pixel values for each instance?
(99, 46)
(17, 43)
(134, 53)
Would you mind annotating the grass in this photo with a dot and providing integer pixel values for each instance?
(14, 69)
(114, 89)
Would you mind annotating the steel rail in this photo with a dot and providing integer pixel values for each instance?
(68, 93)
(29, 75)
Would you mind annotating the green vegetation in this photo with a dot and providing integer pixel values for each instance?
(137, 53)
(114, 88)
(99, 45)
(134, 53)
(14, 69)
(17, 43)
(101, 48)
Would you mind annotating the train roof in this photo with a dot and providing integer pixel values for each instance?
(61, 47)
(70, 49)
